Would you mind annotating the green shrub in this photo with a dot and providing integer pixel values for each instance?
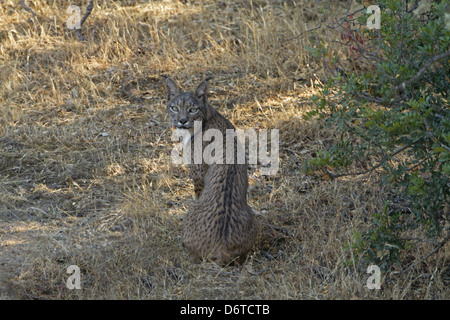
(391, 110)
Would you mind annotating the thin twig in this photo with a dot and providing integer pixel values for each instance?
(403, 85)
(300, 34)
(436, 249)
(382, 161)
(88, 11)
(78, 32)
(414, 7)
(347, 14)
(419, 163)
(349, 34)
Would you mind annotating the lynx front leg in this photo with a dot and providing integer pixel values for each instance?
(198, 188)
(198, 178)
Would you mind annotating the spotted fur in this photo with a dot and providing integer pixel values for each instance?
(219, 225)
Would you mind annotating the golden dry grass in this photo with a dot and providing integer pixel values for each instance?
(85, 171)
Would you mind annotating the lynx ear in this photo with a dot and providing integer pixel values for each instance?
(172, 88)
(201, 93)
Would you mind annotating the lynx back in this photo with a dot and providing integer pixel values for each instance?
(219, 224)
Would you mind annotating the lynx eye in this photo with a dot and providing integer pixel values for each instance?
(174, 108)
(193, 110)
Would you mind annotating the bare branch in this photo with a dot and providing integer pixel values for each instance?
(414, 7)
(88, 12)
(347, 14)
(78, 32)
(379, 164)
(436, 249)
(403, 85)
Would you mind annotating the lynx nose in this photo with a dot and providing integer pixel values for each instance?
(182, 121)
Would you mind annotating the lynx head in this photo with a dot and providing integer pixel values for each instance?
(186, 107)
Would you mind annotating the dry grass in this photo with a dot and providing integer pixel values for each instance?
(85, 171)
